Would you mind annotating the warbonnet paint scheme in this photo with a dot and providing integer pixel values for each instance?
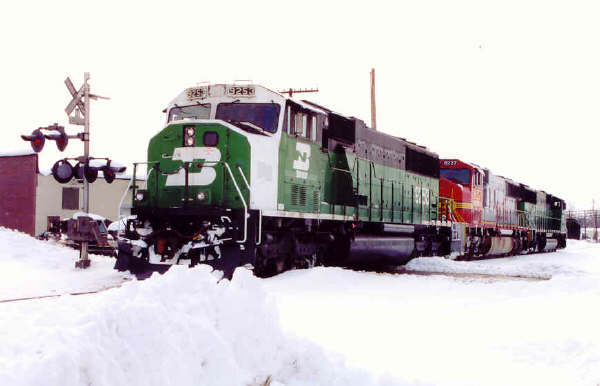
(242, 175)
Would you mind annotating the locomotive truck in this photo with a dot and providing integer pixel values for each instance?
(243, 175)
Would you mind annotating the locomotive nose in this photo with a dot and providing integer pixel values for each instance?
(195, 165)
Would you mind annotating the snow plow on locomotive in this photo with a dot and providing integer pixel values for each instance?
(242, 175)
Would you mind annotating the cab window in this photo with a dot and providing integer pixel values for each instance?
(263, 115)
(198, 111)
(459, 176)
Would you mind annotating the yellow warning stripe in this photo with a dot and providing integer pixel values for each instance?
(463, 205)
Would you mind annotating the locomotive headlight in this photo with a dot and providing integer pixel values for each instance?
(201, 196)
(139, 196)
(189, 133)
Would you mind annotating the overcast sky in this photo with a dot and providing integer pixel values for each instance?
(510, 85)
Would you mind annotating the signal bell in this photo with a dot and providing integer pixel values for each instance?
(37, 140)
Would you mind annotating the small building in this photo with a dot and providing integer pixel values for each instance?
(29, 197)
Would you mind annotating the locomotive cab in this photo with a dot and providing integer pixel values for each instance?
(205, 183)
(461, 187)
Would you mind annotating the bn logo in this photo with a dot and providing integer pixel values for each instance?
(302, 164)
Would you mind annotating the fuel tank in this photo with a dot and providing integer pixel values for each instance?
(500, 246)
(370, 250)
(549, 245)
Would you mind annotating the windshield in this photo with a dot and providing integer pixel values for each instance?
(200, 111)
(461, 176)
(263, 115)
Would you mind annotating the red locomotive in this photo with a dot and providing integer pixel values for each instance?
(494, 216)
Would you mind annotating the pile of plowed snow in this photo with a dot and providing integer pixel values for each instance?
(186, 327)
(442, 265)
(31, 267)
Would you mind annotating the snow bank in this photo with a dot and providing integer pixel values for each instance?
(16, 153)
(31, 267)
(182, 328)
(442, 265)
(186, 327)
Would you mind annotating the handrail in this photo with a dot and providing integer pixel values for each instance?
(259, 212)
(237, 188)
(131, 182)
(131, 186)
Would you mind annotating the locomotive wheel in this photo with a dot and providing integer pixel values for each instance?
(270, 267)
(123, 261)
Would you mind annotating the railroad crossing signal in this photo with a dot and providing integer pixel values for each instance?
(37, 139)
(62, 170)
(61, 138)
(57, 133)
(77, 101)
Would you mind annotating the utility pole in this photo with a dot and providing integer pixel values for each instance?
(373, 113)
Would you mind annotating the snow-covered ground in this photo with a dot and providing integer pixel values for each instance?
(457, 330)
(30, 267)
(324, 326)
(183, 328)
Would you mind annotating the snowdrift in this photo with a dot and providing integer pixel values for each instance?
(186, 327)
(31, 267)
(183, 328)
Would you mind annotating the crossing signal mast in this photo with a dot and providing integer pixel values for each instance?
(78, 111)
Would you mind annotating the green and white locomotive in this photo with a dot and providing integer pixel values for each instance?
(244, 175)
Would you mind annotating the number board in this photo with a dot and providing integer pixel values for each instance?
(241, 91)
(197, 93)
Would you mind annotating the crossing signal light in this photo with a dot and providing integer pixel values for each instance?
(84, 170)
(78, 171)
(110, 172)
(58, 135)
(90, 173)
(37, 140)
(62, 171)
(109, 175)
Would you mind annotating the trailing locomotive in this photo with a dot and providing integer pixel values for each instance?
(494, 216)
(244, 175)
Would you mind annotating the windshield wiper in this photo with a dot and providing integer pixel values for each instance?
(245, 125)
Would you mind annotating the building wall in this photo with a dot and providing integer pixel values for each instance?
(18, 181)
(104, 199)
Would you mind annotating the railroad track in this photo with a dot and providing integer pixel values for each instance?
(59, 295)
(473, 275)
(395, 270)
